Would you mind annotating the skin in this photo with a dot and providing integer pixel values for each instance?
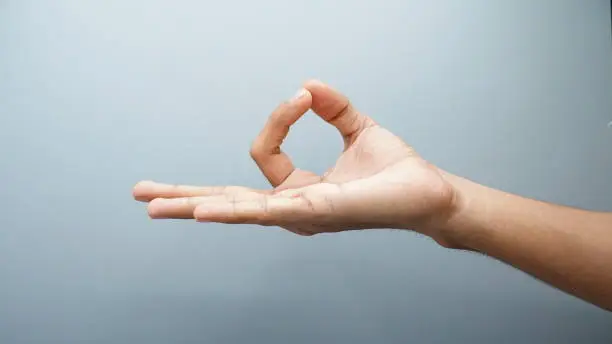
(379, 181)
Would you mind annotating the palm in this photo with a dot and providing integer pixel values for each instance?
(377, 162)
(374, 150)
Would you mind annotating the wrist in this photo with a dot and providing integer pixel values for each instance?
(451, 228)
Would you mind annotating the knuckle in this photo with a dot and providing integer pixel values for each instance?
(257, 150)
(342, 113)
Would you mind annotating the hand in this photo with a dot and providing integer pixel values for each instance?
(378, 181)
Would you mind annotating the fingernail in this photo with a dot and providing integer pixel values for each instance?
(299, 94)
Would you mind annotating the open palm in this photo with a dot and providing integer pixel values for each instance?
(378, 181)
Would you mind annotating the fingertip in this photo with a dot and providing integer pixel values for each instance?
(316, 88)
(154, 208)
(327, 102)
(301, 93)
(307, 94)
(302, 100)
(139, 191)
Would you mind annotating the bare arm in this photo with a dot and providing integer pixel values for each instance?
(379, 181)
(568, 248)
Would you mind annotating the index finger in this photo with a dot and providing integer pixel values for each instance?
(269, 157)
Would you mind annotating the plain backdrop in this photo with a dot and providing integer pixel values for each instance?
(96, 95)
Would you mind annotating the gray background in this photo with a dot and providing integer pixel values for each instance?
(96, 95)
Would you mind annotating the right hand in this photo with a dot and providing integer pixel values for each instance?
(378, 181)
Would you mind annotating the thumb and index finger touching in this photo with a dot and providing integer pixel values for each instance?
(336, 109)
(329, 104)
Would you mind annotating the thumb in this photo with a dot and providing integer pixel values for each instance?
(336, 109)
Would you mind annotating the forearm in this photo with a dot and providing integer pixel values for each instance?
(568, 248)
